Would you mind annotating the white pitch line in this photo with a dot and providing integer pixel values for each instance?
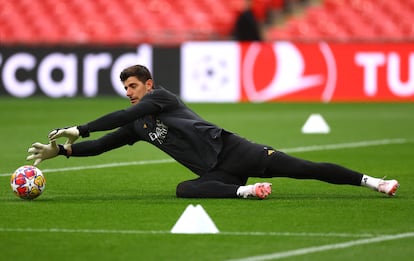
(310, 250)
(111, 165)
(357, 144)
(108, 165)
(151, 232)
(348, 145)
(297, 234)
(82, 231)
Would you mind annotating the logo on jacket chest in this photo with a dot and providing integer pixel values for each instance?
(158, 132)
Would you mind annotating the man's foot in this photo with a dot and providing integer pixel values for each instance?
(388, 187)
(262, 190)
(258, 190)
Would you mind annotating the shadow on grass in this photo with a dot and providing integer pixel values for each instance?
(331, 197)
(171, 199)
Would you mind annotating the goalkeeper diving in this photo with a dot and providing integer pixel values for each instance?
(221, 160)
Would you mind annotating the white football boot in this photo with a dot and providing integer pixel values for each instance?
(388, 187)
(258, 190)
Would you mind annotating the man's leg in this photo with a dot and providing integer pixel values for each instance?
(283, 165)
(216, 184)
(246, 159)
(210, 187)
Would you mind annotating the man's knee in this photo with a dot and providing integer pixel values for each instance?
(184, 189)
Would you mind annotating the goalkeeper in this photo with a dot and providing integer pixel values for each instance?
(222, 160)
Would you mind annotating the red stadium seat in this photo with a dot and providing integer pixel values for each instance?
(175, 21)
(353, 19)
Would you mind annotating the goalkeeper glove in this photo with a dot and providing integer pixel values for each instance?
(72, 133)
(40, 152)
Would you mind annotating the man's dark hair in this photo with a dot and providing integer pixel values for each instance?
(141, 72)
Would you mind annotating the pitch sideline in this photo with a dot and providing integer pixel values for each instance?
(336, 146)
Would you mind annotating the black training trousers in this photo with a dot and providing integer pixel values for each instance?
(241, 159)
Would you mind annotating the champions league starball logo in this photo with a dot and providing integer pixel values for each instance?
(211, 74)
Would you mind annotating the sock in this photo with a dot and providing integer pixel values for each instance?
(245, 191)
(370, 182)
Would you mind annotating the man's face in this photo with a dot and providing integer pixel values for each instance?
(135, 89)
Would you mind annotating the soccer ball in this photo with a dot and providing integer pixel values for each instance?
(28, 182)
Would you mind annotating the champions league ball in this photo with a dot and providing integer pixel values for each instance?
(28, 182)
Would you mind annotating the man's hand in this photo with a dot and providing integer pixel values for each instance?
(41, 151)
(72, 133)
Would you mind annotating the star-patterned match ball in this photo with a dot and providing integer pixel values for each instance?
(28, 182)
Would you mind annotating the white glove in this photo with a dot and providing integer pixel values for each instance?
(41, 151)
(72, 133)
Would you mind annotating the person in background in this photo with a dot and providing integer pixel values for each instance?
(247, 27)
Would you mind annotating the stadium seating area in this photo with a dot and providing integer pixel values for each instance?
(351, 20)
(120, 21)
(175, 21)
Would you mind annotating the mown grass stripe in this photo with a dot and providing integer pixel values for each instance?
(149, 232)
(310, 250)
(336, 146)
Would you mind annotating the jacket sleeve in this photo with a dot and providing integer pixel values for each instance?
(151, 104)
(117, 118)
(110, 141)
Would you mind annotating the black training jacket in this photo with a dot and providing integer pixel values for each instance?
(163, 120)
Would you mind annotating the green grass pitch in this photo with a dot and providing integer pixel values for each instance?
(125, 212)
